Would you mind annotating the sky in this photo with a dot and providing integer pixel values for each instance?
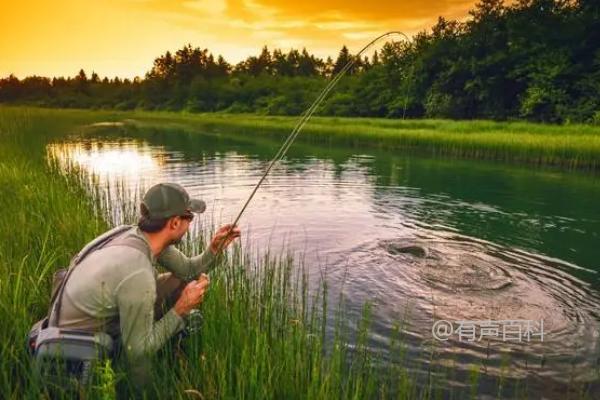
(123, 37)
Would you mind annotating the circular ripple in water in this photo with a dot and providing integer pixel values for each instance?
(443, 275)
(453, 269)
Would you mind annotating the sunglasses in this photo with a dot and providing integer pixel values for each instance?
(189, 217)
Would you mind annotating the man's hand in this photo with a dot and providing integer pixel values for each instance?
(192, 295)
(223, 238)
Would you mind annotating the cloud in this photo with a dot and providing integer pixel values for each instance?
(122, 37)
(311, 24)
(207, 7)
(352, 18)
(361, 10)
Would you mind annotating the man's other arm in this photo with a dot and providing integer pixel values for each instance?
(184, 267)
(140, 334)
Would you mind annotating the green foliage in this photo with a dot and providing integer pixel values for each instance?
(572, 146)
(105, 389)
(44, 218)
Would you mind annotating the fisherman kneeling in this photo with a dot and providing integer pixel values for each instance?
(113, 287)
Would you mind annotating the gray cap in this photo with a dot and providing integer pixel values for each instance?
(167, 200)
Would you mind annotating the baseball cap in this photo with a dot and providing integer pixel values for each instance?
(166, 200)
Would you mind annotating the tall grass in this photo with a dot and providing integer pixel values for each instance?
(266, 334)
(44, 218)
(569, 146)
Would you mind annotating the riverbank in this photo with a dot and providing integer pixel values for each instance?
(565, 147)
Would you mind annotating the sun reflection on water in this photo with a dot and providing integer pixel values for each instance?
(129, 160)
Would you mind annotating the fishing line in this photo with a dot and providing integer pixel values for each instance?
(308, 113)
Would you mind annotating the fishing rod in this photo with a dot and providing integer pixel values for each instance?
(308, 113)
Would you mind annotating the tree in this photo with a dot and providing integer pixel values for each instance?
(223, 67)
(281, 66)
(343, 58)
(164, 67)
(81, 76)
(534, 59)
(375, 59)
(308, 65)
(10, 88)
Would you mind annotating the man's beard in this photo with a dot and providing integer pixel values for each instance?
(178, 241)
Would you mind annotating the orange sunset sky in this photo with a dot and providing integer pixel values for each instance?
(112, 37)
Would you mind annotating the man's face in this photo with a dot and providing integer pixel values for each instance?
(178, 228)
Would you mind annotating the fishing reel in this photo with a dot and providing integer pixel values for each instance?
(194, 322)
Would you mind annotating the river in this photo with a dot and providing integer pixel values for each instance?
(466, 242)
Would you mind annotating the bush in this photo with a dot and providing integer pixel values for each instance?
(238, 108)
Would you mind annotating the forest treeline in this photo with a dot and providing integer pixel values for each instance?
(533, 59)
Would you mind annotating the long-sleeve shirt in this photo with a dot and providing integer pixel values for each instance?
(114, 289)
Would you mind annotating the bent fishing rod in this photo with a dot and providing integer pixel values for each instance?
(308, 113)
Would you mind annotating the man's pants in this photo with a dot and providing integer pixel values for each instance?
(168, 290)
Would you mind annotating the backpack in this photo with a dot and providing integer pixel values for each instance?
(79, 350)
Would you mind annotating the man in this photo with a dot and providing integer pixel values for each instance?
(116, 289)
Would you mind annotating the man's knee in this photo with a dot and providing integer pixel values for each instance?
(168, 290)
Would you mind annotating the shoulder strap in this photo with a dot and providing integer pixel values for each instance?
(97, 243)
(133, 242)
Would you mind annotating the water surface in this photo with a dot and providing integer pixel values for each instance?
(498, 242)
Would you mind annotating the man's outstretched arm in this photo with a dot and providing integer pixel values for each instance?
(184, 267)
(190, 268)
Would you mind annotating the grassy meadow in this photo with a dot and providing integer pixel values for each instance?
(567, 146)
(266, 332)
(572, 146)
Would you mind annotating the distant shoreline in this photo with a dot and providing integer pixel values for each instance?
(568, 147)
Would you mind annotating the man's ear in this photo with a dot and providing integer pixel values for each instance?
(173, 223)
